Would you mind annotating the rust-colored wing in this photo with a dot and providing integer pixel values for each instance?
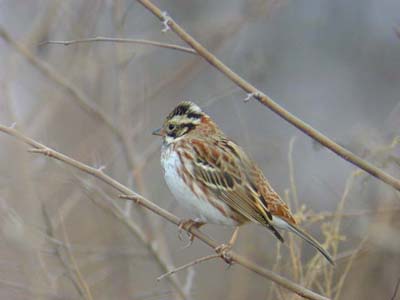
(232, 177)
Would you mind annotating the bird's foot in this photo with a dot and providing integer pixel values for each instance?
(187, 225)
(223, 250)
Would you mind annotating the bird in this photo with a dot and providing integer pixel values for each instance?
(214, 179)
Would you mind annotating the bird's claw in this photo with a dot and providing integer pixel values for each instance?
(186, 225)
(223, 250)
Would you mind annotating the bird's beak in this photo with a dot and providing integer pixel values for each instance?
(158, 131)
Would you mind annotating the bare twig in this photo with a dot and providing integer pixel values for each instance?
(275, 268)
(81, 280)
(295, 252)
(51, 237)
(293, 187)
(130, 194)
(188, 265)
(60, 80)
(121, 40)
(77, 95)
(189, 281)
(268, 102)
(347, 269)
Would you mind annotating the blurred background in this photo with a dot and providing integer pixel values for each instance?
(66, 235)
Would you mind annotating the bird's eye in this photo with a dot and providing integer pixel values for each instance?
(171, 126)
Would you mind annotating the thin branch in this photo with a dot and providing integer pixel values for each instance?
(130, 194)
(77, 95)
(188, 265)
(86, 104)
(253, 92)
(347, 269)
(295, 252)
(121, 40)
(81, 280)
(189, 281)
(293, 187)
(40, 148)
(52, 74)
(58, 244)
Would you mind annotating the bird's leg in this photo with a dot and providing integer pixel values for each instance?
(224, 248)
(187, 225)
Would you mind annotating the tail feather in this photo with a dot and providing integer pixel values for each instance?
(309, 239)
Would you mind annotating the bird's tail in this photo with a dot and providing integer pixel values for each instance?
(313, 242)
(305, 236)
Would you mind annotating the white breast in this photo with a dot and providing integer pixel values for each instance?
(200, 207)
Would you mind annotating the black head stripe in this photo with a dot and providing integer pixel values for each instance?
(181, 130)
(180, 110)
(191, 110)
(172, 134)
(194, 115)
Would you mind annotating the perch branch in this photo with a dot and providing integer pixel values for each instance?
(253, 92)
(130, 194)
(98, 173)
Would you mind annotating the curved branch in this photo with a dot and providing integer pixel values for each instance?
(121, 40)
(169, 23)
(130, 194)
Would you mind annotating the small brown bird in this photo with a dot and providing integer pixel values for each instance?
(215, 179)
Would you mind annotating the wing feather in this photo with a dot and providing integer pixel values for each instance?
(232, 177)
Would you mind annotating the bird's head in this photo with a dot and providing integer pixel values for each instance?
(183, 119)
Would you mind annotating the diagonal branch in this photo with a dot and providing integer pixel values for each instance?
(243, 261)
(98, 173)
(252, 91)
